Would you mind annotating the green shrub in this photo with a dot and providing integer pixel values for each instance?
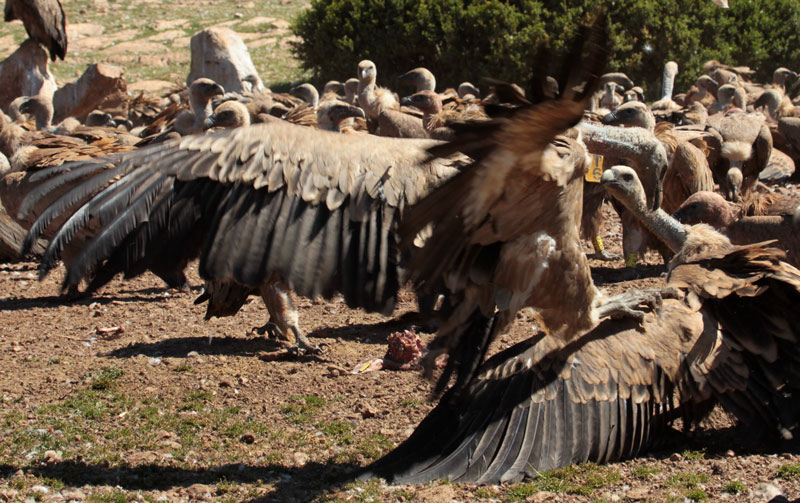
(467, 39)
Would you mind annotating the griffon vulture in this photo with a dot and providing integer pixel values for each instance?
(266, 208)
(44, 21)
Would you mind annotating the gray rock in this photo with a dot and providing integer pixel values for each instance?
(219, 54)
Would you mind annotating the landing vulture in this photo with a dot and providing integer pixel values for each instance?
(44, 21)
(265, 207)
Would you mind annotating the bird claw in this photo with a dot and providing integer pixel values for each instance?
(269, 329)
(627, 305)
(605, 256)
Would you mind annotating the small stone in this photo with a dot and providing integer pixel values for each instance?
(73, 495)
(765, 492)
(675, 457)
(52, 456)
(248, 438)
(200, 492)
(300, 458)
(225, 384)
(366, 410)
(638, 494)
(154, 361)
(192, 354)
(8, 494)
(238, 15)
(40, 489)
(729, 453)
(717, 469)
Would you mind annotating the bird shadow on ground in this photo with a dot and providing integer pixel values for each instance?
(605, 275)
(179, 347)
(376, 333)
(55, 301)
(289, 483)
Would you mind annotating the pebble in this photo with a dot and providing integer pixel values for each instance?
(191, 354)
(200, 492)
(729, 453)
(675, 457)
(637, 494)
(248, 438)
(40, 489)
(73, 495)
(8, 494)
(300, 458)
(52, 456)
(154, 361)
(765, 492)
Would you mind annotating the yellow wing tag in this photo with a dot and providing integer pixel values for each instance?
(595, 170)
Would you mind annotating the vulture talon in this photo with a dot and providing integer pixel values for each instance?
(269, 329)
(625, 305)
(605, 256)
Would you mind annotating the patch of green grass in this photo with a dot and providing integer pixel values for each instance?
(115, 496)
(303, 408)
(105, 378)
(734, 487)
(687, 480)
(410, 402)
(789, 471)
(644, 472)
(582, 479)
(696, 495)
(183, 367)
(374, 446)
(699, 454)
(54, 484)
(341, 432)
(195, 400)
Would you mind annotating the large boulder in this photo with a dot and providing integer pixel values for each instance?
(100, 87)
(25, 73)
(219, 54)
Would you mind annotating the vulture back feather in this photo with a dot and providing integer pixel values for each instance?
(44, 21)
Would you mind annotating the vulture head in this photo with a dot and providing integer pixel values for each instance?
(420, 78)
(466, 90)
(427, 101)
(635, 93)
(333, 86)
(734, 179)
(230, 114)
(707, 85)
(726, 93)
(781, 75)
(201, 93)
(618, 78)
(98, 118)
(351, 90)
(622, 183)
(307, 93)
(631, 114)
(331, 114)
(367, 73)
(705, 207)
(40, 108)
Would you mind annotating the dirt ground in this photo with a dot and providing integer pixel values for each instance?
(121, 397)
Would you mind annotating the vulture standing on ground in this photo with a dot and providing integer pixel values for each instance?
(44, 21)
(268, 207)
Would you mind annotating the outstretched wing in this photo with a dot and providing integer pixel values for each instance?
(314, 208)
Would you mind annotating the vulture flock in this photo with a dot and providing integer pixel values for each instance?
(482, 199)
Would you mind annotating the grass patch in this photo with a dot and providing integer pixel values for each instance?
(687, 480)
(115, 496)
(582, 479)
(183, 367)
(789, 471)
(302, 408)
(341, 432)
(644, 472)
(105, 378)
(696, 495)
(699, 454)
(734, 487)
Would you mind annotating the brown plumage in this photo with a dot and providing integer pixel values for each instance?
(44, 21)
(711, 208)
(730, 337)
(747, 145)
(268, 208)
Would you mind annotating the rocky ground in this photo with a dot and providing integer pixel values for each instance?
(132, 396)
(123, 397)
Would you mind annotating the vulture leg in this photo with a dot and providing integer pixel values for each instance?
(283, 316)
(625, 305)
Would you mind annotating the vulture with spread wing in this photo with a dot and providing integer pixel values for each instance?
(44, 21)
(505, 235)
(266, 208)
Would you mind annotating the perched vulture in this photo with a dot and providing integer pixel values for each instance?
(266, 208)
(44, 21)
(730, 337)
